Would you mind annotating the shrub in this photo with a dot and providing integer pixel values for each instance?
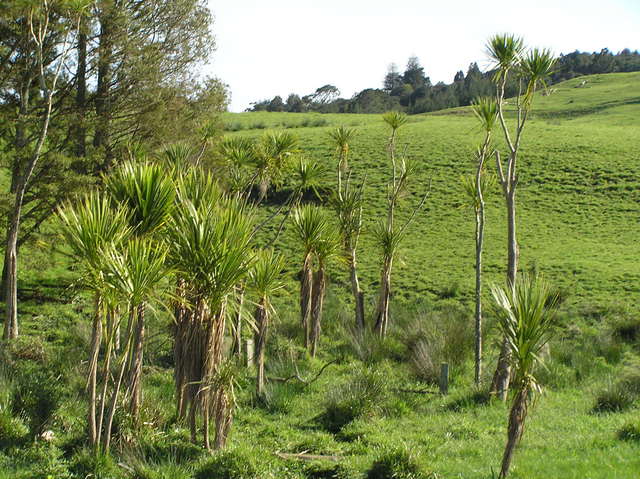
(360, 396)
(37, 393)
(278, 398)
(396, 464)
(630, 432)
(370, 348)
(43, 461)
(230, 464)
(451, 290)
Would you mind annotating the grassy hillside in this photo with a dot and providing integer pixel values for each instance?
(578, 220)
(578, 196)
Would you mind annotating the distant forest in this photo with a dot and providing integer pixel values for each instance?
(413, 92)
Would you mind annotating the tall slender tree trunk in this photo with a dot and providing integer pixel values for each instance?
(319, 286)
(102, 137)
(210, 388)
(260, 340)
(135, 373)
(382, 313)
(306, 291)
(179, 330)
(11, 248)
(478, 312)
(81, 93)
(358, 295)
(236, 345)
(502, 376)
(96, 339)
(517, 418)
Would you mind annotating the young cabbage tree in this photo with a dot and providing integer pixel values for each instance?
(387, 233)
(476, 187)
(531, 68)
(90, 227)
(210, 249)
(310, 224)
(273, 155)
(341, 138)
(348, 202)
(526, 312)
(266, 279)
(326, 249)
(135, 275)
(149, 194)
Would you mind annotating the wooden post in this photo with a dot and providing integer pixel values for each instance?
(444, 378)
(248, 352)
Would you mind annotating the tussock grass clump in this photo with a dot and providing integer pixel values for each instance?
(630, 432)
(437, 336)
(322, 470)
(613, 398)
(398, 464)
(623, 393)
(358, 397)
(470, 400)
(86, 463)
(232, 464)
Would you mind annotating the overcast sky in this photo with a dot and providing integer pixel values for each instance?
(275, 47)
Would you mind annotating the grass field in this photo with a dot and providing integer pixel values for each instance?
(578, 211)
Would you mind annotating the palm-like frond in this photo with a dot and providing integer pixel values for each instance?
(340, 138)
(198, 187)
(486, 111)
(266, 273)
(135, 271)
(210, 246)
(307, 175)
(238, 150)
(146, 189)
(526, 315)
(395, 119)
(505, 51)
(536, 66)
(470, 187)
(274, 153)
(177, 155)
(388, 240)
(91, 223)
(348, 206)
(310, 224)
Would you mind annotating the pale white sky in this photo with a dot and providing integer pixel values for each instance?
(275, 47)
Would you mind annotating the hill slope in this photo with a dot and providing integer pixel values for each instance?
(578, 199)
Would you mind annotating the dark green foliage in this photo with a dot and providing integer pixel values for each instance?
(613, 398)
(470, 400)
(37, 394)
(630, 432)
(39, 461)
(323, 470)
(396, 464)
